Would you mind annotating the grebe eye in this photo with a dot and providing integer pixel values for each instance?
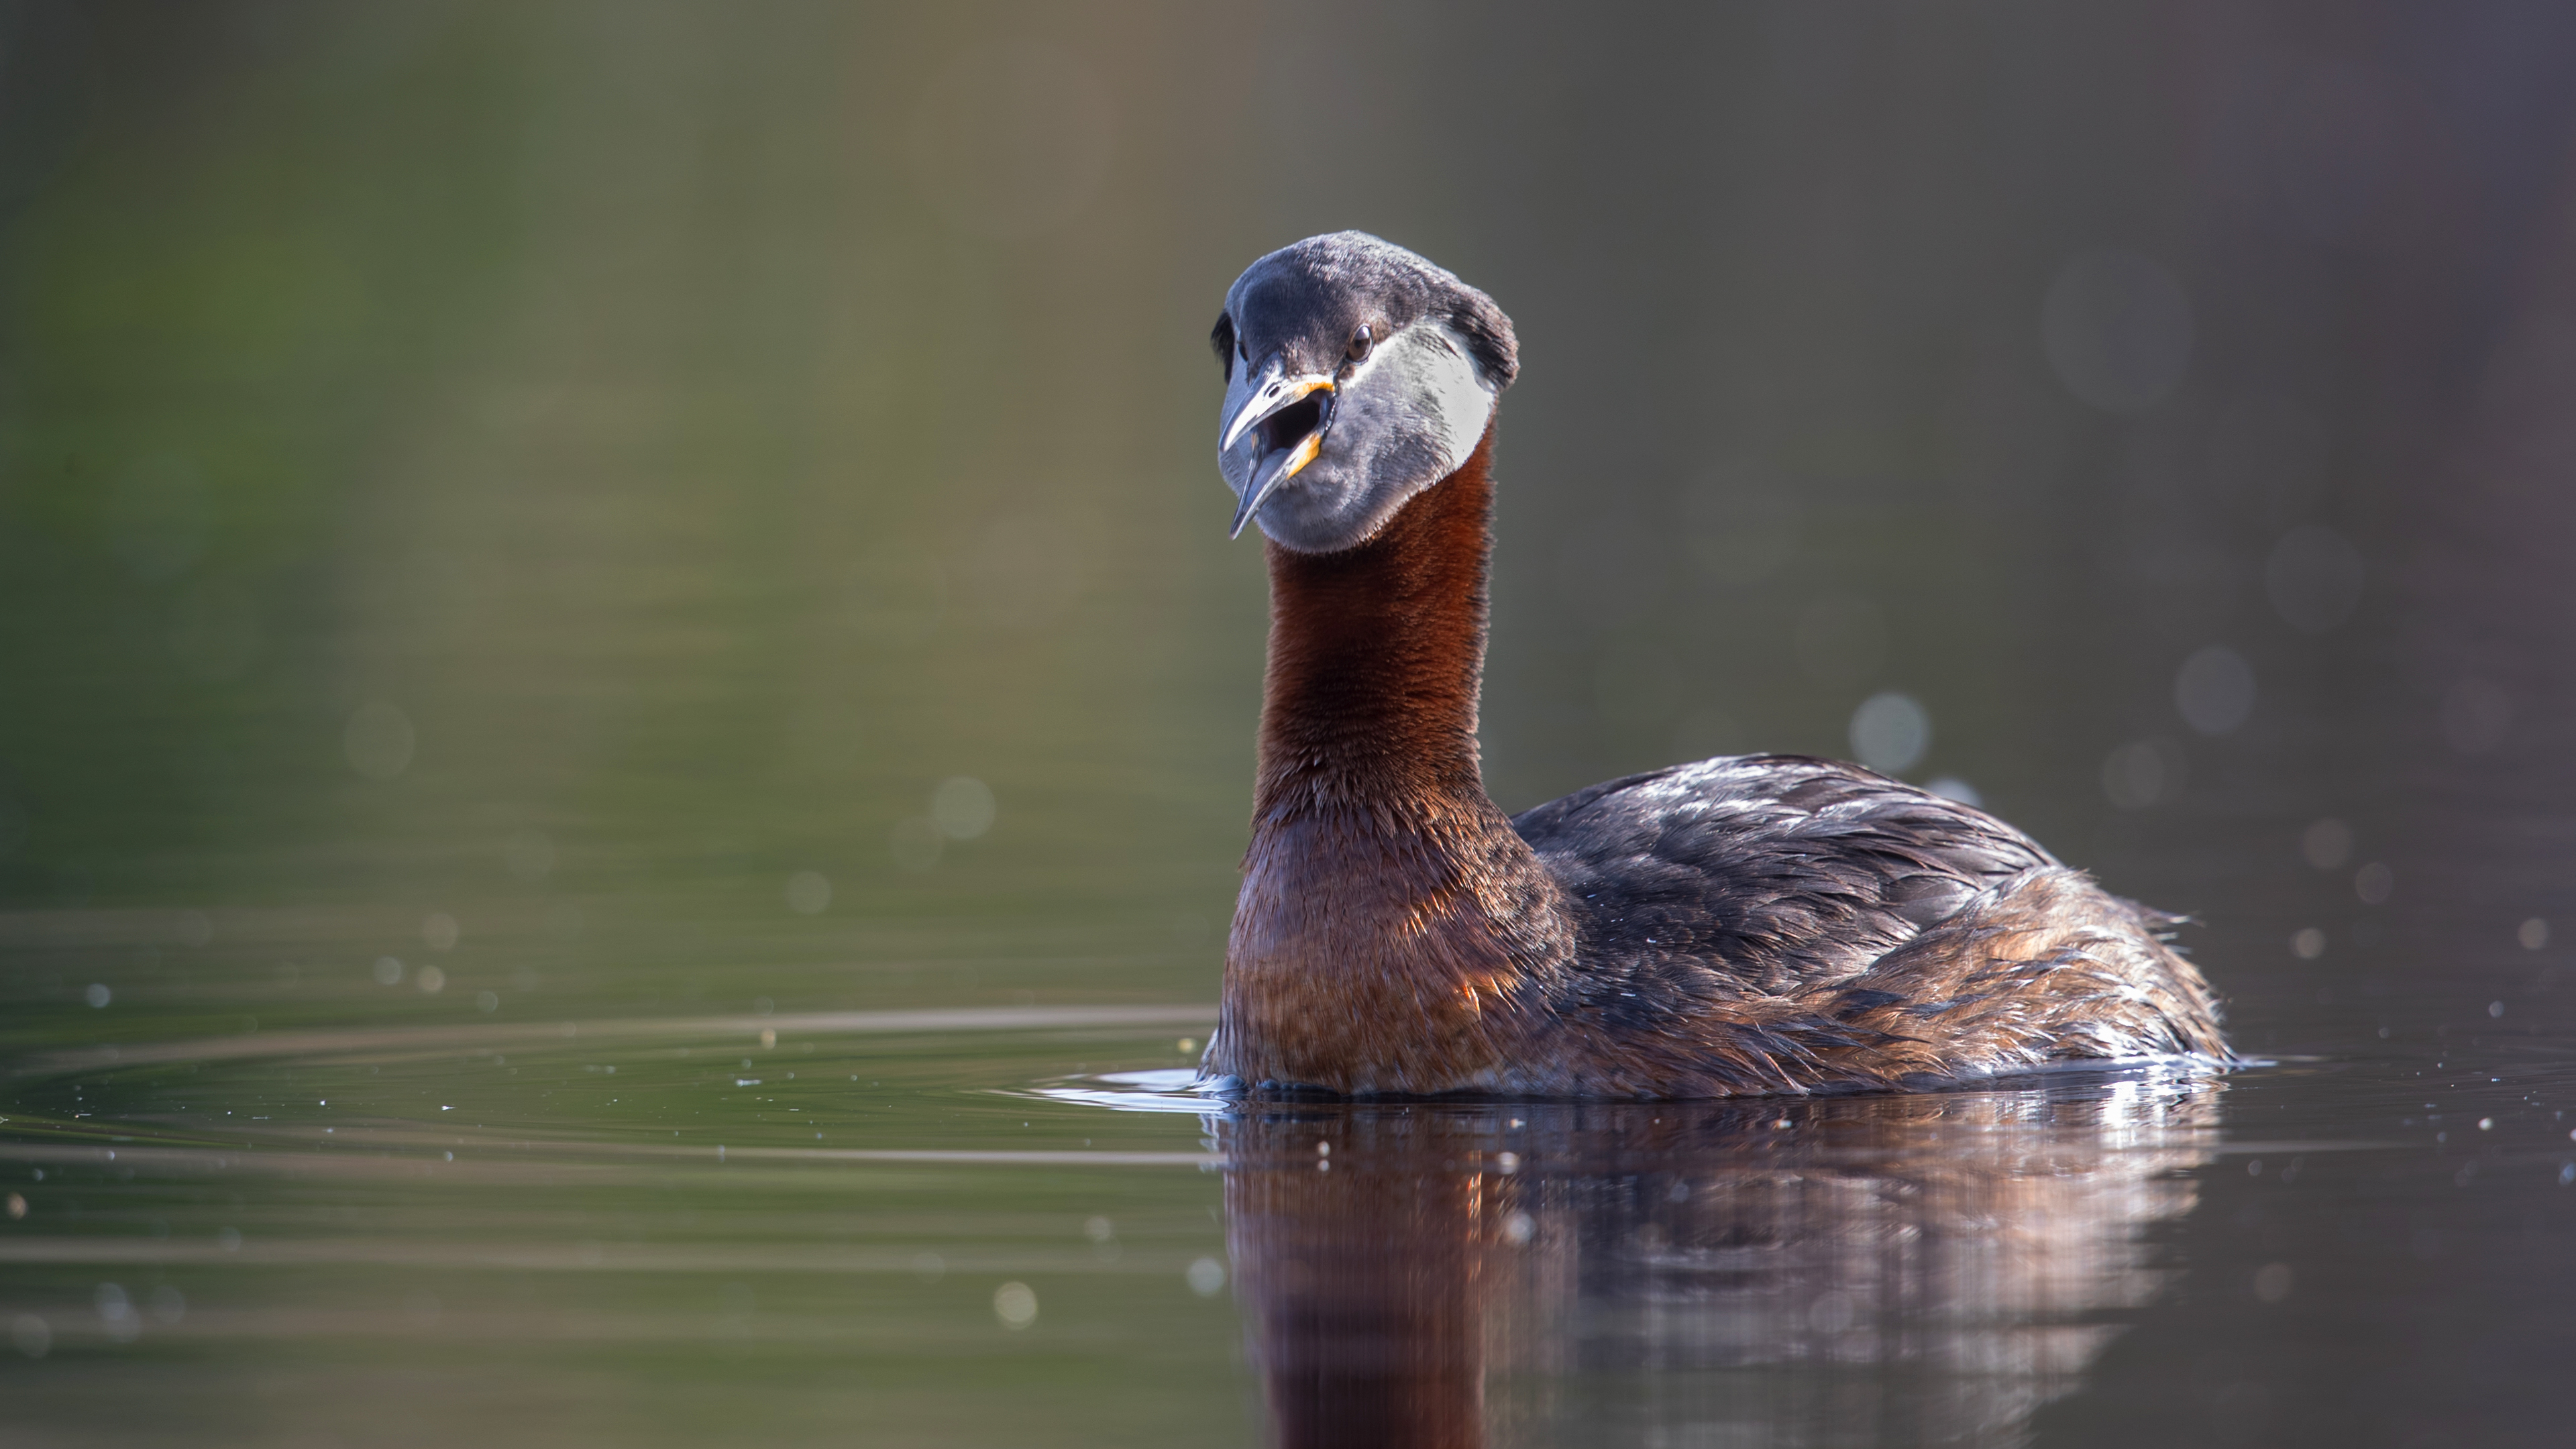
(1361, 342)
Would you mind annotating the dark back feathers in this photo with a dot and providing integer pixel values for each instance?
(1779, 872)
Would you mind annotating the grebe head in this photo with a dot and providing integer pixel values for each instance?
(1357, 375)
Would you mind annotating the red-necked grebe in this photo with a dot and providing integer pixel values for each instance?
(1764, 923)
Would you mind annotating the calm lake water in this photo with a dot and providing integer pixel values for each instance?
(625, 722)
(1013, 1224)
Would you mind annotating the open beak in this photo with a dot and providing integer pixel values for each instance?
(1278, 460)
(1277, 466)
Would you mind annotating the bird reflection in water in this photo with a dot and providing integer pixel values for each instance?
(1879, 1269)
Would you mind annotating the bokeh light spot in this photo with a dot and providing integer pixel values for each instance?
(962, 808)
(1206, 1277)
(1016, 1305)
(1890, 732)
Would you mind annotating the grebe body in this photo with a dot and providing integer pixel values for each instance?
(1754, 924)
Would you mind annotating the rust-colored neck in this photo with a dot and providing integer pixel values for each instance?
(1389, 918)
(1375, 657)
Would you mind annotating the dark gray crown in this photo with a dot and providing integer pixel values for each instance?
(1310, 297)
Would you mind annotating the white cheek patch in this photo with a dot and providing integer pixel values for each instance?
(1430, 361)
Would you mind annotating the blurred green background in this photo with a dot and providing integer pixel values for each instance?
(592, 472)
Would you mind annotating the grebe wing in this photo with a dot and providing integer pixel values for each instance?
(1780, 871)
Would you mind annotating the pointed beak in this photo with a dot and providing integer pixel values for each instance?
(1277, 392)
(1277, 466)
